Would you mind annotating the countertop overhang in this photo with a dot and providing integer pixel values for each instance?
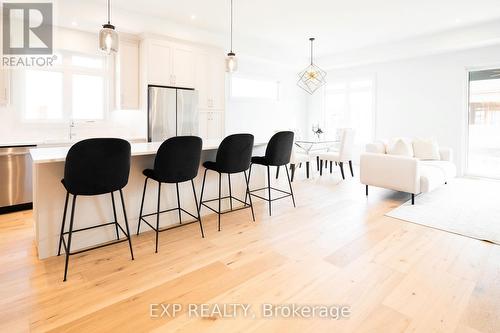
(58, 154)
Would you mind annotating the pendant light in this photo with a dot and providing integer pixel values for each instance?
(313, 77)
(231, 60)
(108, 37)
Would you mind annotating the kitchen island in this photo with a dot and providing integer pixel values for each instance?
(49, 195)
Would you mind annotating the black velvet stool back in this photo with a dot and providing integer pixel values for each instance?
(279, 148)
(235, 153)
(97, 166)
(178, 159)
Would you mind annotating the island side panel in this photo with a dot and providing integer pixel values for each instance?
(49, 196)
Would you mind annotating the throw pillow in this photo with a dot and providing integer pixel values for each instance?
(400, 147)
(426, 149)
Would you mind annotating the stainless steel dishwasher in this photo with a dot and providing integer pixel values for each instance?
(16, 191)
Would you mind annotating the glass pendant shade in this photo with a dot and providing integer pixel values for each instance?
(231, 63)
(108, 39)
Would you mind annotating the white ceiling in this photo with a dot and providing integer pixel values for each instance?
(338, 25)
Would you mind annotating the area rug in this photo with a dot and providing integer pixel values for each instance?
(466, 206)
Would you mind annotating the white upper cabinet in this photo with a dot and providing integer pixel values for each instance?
(187, 65)
(4, 86)
(159, 63)
(169, 64)
(202, 79)
(128, 75)
(182, 66)
(217, 87)
(210, 80)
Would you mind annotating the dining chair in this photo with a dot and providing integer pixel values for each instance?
(344, 155)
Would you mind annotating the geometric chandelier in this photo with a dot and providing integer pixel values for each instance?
(313, 77)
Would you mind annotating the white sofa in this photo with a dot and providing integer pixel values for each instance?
(405, 173)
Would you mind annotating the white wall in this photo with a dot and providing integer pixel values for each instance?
(259, 117)
(118, 123)
(424, 97)
(263, 117)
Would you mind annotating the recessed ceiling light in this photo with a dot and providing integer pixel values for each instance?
(193, 17)
(457, 20)
(74, 23)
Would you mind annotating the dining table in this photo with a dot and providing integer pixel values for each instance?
(309, 146)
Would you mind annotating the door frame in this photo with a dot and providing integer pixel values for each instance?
(466, 124)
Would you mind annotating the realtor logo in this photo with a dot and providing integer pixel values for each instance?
(27, 28)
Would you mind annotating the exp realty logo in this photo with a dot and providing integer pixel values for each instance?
(27, 34)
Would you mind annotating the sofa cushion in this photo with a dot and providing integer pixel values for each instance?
(435, 173)
(400, 147)
(426, 149)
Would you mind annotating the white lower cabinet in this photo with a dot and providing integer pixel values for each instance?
(211, 124)
(4, 86)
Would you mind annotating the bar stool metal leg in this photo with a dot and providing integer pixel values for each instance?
(290, 184)
(178, 202)
(68, 249)
(126, 225)
(63, 223)
(249, 174)
(142, 205)
(269, 188)
(114, 214)
(218, 214)
(277, 172)
(158, 216)
(202, 188)
(247, 179)
(197, 209)
(230, 194)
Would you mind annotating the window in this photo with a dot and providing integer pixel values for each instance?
(484, 123)
(43, 99)
(83, 106)
(254, 89)
(74, 88)
(349, 104)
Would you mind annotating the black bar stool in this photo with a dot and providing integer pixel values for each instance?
(233, 156)
(278, 152)
(95, 167)
(176, 161)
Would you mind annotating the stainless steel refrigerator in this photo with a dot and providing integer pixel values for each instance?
(171, 112)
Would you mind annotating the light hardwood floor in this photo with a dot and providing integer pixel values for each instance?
(336, 247)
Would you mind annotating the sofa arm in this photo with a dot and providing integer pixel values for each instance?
(446, 154)
(399, 173)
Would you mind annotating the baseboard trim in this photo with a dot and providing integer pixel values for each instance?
(16, 208)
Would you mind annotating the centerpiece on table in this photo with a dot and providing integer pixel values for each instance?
(317, 131)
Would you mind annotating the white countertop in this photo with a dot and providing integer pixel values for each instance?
(58, 154)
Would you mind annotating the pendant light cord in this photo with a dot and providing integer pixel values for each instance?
(109, 12)
(312, 40)
(231, 26)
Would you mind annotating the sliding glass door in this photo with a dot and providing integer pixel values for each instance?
(484, 123)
